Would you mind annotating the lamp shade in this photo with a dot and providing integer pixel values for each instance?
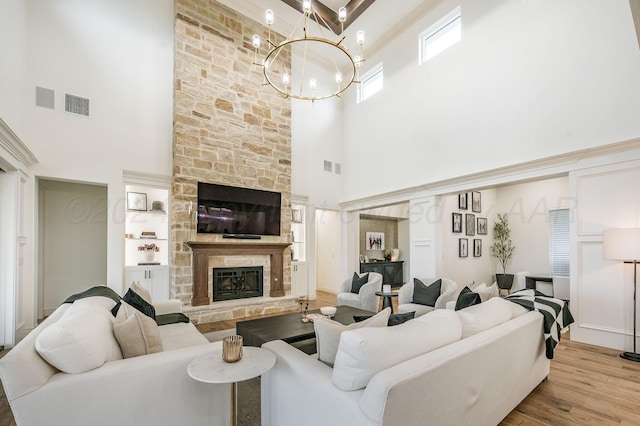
(621, 244)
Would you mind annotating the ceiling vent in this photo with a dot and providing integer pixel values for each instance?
(338, 169)
(328, 166)
(76, 105)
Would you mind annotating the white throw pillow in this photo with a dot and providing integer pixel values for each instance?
(79, 341)
(328, 333)
(364, 353)
(136, 333)
(485, 292)
(480, 317)
(141, 291)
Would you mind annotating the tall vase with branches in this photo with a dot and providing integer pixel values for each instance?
(502, 249)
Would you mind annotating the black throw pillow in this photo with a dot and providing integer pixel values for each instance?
(135, 300)
(394, 319)
(358, 281)
(467, 298)
(426, 295)
(114, 310)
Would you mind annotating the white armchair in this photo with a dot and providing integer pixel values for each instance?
(366, 299)
(561, 288)
(448, 292)
(521, 281)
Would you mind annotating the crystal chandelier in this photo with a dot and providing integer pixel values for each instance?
(324, 67)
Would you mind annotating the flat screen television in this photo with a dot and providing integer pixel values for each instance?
(238, 211)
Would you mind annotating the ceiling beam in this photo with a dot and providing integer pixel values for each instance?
(330, 17)
(635, 12)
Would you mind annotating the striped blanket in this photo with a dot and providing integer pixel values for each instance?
(557, 316)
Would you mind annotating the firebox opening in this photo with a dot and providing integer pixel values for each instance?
(237, 283)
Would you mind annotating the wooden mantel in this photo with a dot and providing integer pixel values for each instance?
(200, 264)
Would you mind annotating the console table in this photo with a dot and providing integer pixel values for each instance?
(391, 271)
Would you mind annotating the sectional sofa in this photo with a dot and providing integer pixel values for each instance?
(152, 389)
(467, 367)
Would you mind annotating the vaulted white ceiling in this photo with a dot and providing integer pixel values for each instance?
(382, 20)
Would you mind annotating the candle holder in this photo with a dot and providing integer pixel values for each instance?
(305, 311)
(232, 348)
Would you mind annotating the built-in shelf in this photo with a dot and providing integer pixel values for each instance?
(138, 222)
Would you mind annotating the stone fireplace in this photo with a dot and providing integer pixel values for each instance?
(205, 254)
(228, 130)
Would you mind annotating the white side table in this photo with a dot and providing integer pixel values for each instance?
(212, 369)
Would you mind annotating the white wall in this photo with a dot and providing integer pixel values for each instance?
(424, 223)
(119, 54)
(602, 289)
(329, 251)
(73, 241)
(529, 79)
(527, 206)
(316, 135)
(13, 42)
(464, 270)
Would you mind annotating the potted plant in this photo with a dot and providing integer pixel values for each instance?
(149, 251)
(502, 249)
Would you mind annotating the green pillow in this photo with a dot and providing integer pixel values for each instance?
(426, 295)
(467, 298)
(135, 300)
(358, 281)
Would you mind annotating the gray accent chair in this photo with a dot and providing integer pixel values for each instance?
(366, 299)
(448, 292)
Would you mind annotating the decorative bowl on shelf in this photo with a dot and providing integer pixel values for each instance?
(328, 311)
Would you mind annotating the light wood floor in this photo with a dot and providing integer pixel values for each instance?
(587, 385)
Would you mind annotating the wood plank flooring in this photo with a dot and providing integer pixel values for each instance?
(587, 385)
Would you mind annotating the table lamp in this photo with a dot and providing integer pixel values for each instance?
(624, 244)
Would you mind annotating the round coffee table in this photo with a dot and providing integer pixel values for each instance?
(386, 298)
(212, 369)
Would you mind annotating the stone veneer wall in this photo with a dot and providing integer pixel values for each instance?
(228, 128)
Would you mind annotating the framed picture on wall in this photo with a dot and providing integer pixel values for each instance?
(374, 240)
(463, 247)
(476, 204)
(477, 248)
(137, 201)
(470, 220)
(456, 222)
(462, 201)
(296, 215)
(482, 226)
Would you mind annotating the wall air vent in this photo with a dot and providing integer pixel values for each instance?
(328, 166)
(76, 105)
(45, 98)
(338, 169)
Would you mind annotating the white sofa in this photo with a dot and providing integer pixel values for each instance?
(495, 358)
(151, 389)
(366, 299)
(448, 292)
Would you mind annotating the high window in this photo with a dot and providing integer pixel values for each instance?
(559, 250)
(441, 35)
(371, 82)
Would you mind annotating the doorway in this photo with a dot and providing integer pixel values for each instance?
(72, 240)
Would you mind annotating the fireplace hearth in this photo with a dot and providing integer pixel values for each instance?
(237, 283)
